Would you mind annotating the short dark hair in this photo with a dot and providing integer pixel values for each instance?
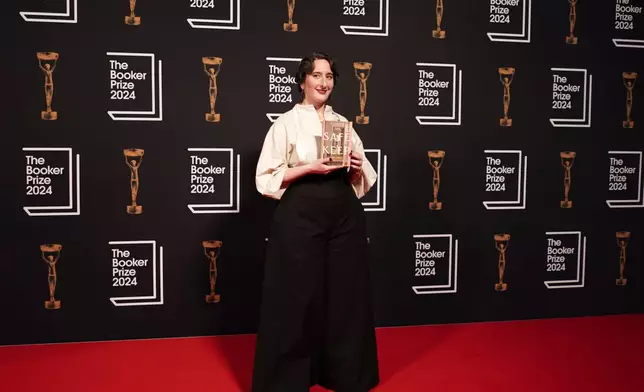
(306, 67)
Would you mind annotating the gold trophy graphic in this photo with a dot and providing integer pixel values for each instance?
(506, 75)
(212, 249)
(622, 242)
(501, 243)
(131, 19)
(438, 33)
(436, 161)
(211, 66)
(290, 26)
(51, 254)
(572, 16)
(47, 63)
(133, 158)
(362, 71)
(629, 83)
(567, 159)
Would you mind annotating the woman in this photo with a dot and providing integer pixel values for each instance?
(316, 322)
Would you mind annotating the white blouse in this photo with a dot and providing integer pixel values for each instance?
(291, 141)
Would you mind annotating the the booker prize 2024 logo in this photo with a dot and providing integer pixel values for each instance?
(625, 185)
(67, 13)
(282, 87)
(359, 17)
(214, 186)
(565, 258)
(440, 90)
(435, 264)
(137, 273)
(52, 181)
(629, 23)
(506, 179)
(214, 14)
(510, 21)
(135, 87)
(365, 17)
(571, 98)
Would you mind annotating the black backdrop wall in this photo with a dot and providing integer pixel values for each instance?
(122, 83)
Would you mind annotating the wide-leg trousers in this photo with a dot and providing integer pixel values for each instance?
(316, 320)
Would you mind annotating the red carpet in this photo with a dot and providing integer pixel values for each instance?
(581, 354)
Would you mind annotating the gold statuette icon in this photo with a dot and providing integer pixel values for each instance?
(212, 249)
(133, 158)
(211, 66)
(436, 161)
(572, 16)
(501, 243)
(51, 254)
(622, 242)
(131, 19)
(362, 71)
(506, 74)
(567, 160)
(629, 83)
(438, 33)
(47, 63)
(290, 26)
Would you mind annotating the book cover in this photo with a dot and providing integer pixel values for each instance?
(335, 143)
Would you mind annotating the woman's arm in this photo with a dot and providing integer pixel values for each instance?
(293, 173)
(316, 167)
(362, 174)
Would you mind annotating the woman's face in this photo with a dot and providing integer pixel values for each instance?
(318, 85)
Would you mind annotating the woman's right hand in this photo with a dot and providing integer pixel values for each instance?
(319, 167)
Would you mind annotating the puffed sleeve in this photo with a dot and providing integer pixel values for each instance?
(362, 183)
(273, 162)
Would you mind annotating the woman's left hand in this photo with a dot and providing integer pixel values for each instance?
(356, 162)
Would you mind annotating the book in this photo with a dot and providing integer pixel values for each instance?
(335, 143)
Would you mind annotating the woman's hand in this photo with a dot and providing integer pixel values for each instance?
(319, 166)
(356, 162)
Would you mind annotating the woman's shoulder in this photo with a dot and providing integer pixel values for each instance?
(286, 118)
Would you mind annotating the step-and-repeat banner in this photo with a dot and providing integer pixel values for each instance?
(507, 136)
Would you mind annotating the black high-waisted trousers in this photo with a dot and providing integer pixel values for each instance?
(316, 323)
